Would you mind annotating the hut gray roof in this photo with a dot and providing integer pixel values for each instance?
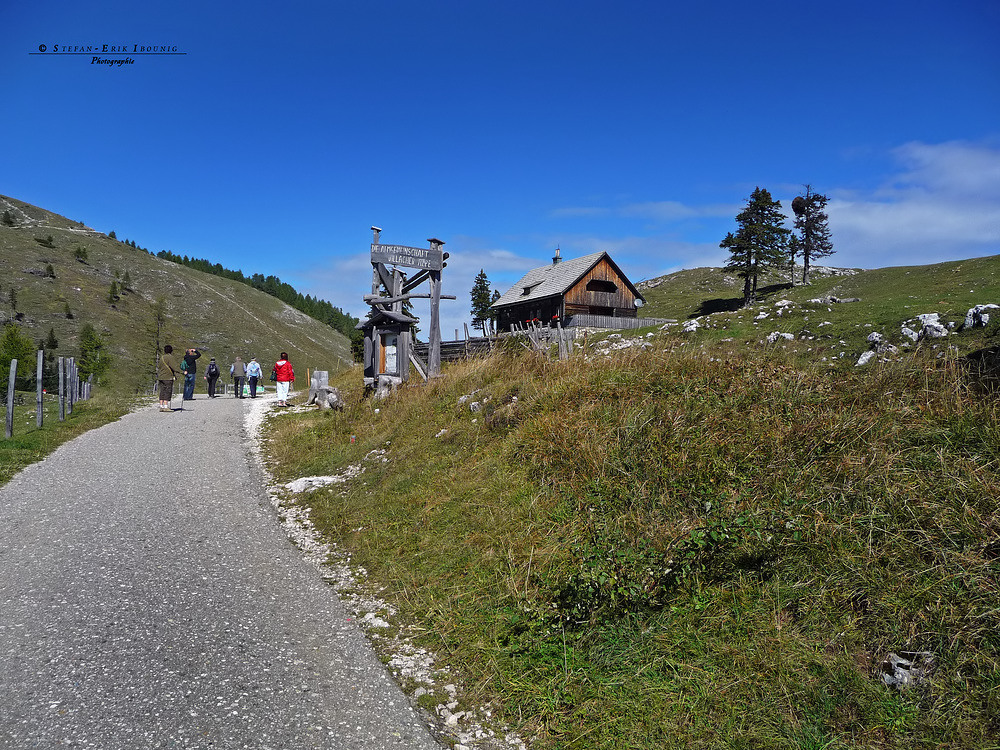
(555, 279)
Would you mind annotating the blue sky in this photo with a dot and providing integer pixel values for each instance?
(286, 130)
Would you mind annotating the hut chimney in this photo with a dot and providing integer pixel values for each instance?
(555, 258)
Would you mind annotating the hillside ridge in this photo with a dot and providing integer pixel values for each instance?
(63, 284)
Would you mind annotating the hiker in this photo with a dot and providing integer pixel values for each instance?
(211, 375)
(190, 368)
(253, 376)
(166, 372)
(238, 372)
(284, 377)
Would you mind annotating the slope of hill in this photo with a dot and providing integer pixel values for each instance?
(674, 546)
(222, 317)
(885, 299)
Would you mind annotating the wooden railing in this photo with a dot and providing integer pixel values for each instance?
(607, 321)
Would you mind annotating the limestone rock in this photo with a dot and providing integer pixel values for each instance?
(906, 669)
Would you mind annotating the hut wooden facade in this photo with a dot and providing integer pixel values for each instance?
(591, 285)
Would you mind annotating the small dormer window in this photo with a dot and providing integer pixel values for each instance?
(600, 285)
(529, 289)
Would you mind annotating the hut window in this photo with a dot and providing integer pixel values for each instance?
(529, 289)
(600, 285)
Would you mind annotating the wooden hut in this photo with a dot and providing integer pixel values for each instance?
(591, 285)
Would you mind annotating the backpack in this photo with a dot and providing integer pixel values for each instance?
(184, 365)
(213, 371)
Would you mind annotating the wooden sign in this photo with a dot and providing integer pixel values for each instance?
(428, 258)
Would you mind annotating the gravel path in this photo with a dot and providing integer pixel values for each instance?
(149, 599)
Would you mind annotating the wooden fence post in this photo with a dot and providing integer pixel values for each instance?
(9, 429)
(39, 371)
(71, 384)
(62, 389)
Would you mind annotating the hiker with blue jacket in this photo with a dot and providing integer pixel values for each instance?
(253, 376)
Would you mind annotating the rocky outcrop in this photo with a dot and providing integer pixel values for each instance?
(978, 317)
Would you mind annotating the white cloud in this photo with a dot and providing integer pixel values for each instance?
(943, 204)
(956, 168)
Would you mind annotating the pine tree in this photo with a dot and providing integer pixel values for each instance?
(760, 242)
(50, 370)
(15, 345)
(481, 300)
(814, 233)
(94, 359)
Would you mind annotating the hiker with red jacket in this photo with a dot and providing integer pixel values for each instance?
(284, 376)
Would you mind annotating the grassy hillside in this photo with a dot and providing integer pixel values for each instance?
(706, 542)
(221, 317)
(887, 298)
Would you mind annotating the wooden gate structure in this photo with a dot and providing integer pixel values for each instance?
(388, 330)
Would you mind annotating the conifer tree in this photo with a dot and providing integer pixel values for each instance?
(481, 301)
(760, 242)
(50, 370)
(814, 233)
(94, 359)
(15, 345)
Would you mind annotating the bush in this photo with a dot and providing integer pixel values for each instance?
(14, 344)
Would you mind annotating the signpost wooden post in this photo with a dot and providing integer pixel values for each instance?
(434, 336)
(388, 339)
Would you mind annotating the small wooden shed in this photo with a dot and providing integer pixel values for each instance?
(590, 285)
(388, 342)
